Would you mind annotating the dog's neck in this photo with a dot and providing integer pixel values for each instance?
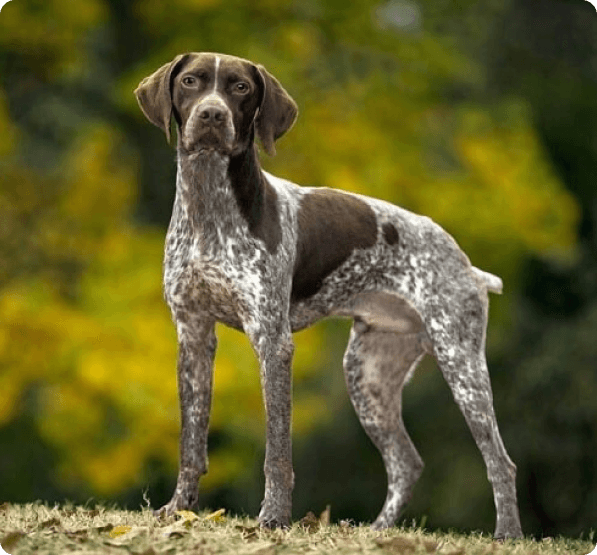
(225, 193)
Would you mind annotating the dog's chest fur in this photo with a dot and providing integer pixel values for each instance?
(213, 263)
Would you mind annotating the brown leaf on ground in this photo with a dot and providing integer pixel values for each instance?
(397, 545)
(10, 540)
(176, 535)
(78, 535)
(52, 523)
(249, 533)
(310, 522)
(430, 546)
(105, 528)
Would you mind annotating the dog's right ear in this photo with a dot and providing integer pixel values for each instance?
(154, 94)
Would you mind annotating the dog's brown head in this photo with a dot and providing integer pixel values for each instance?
(219, 102)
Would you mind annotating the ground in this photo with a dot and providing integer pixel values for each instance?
(40, 529)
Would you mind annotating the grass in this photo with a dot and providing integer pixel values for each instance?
(37, 528)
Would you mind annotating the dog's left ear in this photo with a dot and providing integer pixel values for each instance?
(154, 94)
(277, 112)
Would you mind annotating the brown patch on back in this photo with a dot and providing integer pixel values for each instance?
(331, 225)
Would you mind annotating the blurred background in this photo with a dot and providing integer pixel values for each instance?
(481, 115)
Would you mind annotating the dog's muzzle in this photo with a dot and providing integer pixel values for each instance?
(210, 126)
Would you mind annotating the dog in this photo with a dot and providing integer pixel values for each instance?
(268, 257)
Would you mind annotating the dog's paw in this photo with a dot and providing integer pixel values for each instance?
(508, 526)
(178, 503)
(511, 534)
(273, 523)
(270, 518)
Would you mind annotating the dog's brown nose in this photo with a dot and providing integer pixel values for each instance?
(212, 115)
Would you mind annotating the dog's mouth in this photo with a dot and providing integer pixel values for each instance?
(208, 141)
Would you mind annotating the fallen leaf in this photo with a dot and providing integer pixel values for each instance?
(310, 522)
(188, 518)
(430, 547)
(174, 531)
(52, 523)
(77, 535)
(10, 540)
(397, 545)
(123, 538)
(217, 516)
(188, 515)
(249, 533)
(176, 534)
(120, 531)
(105, 528)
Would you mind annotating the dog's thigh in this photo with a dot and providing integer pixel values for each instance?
(459, 346)
(376, 366)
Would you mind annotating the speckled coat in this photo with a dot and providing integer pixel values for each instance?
(268, 257)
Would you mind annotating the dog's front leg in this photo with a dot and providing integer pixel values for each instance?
(196, 351)
(275, 350)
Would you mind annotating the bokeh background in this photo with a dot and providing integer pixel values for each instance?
(482, 115)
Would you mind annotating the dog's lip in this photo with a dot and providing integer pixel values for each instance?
(201, 146)
(208, 141)
(197, 151)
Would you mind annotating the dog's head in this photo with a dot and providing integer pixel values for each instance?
(219, 102)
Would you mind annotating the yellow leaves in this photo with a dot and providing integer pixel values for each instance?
(106, 470)
(98, 193)
(102, 182)
(189, 519)
(512, 187)
(188, 516)
(228, 464)
(120, 531)
(217, 516)
(53, 27)
(300, 40)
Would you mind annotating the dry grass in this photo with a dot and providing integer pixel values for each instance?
(37, 528)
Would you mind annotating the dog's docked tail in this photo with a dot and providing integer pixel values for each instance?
(493, 283)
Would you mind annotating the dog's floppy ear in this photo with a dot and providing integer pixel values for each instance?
(277, 112)
(154, 94)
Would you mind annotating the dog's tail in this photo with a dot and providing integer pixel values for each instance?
(493, 283)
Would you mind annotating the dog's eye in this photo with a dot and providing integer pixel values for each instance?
(241, 87)
(189, 80)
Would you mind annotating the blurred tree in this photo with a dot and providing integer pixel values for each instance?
(552, 358)
(407, 101)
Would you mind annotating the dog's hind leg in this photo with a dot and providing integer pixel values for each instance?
(376, 365)
(459, 344)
